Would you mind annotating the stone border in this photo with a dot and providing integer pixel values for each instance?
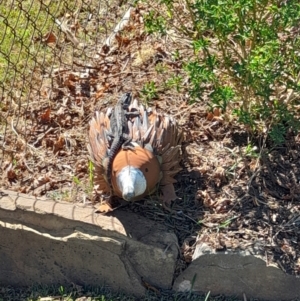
(47, 242)
(237, 273)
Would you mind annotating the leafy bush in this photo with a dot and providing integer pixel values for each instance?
(246, 56)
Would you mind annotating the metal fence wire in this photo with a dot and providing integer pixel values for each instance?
(57, 59)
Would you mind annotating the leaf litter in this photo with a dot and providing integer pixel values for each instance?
(228, 199)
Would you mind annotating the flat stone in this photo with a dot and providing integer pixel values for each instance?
(48, 242)
(234, 273)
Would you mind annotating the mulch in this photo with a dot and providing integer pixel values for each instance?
(228, 196)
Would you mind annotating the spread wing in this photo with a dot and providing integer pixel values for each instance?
(151, 130)
(98, 148)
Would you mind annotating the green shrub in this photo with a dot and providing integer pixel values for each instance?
(245, 56)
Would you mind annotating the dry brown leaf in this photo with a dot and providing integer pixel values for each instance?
(210, 116)
(219, 175)
(49, 37)
(45, 117)
(43, 180)
(122, 41)
(11, 175)
(169, 194)
(207, 200)
(100, 92)
(217, 112)
(59, 144)
(104, 208)
(215, 115)
(222, 205)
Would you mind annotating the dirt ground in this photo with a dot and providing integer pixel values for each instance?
(230, 195)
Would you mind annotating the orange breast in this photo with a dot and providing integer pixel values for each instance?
(142, 159)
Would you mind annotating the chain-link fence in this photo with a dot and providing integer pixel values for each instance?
(58, 59)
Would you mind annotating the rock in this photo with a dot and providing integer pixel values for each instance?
(48, 242)
(234, 273)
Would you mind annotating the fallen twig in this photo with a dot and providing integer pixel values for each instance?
(40, 138)
(17, 134)
(64, 28)
(124, 21)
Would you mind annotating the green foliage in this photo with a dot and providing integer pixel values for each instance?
(221, 96)
(86, 187)
(91, 173)
(199, 75)
(226, 223)
(251, 151)
(149, 91)
(76, 180)
(277, 133)
(176, 55)
(61, 290)
(154, 23)
(175, 82)
(244, 51)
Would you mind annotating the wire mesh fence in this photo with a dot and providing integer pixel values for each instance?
(57, 60)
